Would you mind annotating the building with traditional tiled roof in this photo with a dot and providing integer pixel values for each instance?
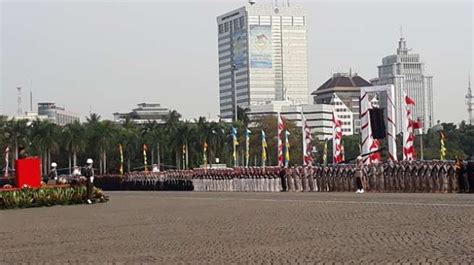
(347, 88)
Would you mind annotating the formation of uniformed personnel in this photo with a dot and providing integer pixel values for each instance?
(414, 176)
(239, 179)
(165, 180)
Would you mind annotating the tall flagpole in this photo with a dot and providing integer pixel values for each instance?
(7, 152)
(303, 132)
(247, 147)
(281, 127)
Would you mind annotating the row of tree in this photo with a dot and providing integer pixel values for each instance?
(179, 144)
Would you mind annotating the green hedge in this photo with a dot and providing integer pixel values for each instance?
(47, 196)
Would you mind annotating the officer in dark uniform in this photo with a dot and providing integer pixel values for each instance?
(89, 174)
(282, 176)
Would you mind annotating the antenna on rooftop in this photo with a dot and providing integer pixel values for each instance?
(469, 100)
(19, 110)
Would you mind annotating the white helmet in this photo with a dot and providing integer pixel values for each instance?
(54, 164)
(89, 161)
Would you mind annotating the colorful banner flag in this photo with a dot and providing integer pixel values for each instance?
(121, 159)
(442, 150)
(184, 156)
(307, 142)
(145, 162)
(336, 139)
(247, 146)
(325, 152)
(287, 149)
(204, 155)
(7, 154)
(281, 127)
(264, 149)
(235, 143)
(407, 130)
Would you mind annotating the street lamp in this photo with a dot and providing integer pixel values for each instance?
(234, 70)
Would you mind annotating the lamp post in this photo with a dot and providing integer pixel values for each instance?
(234, 70)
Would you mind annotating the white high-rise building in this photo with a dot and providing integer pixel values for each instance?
(406, 72)
(262, 56)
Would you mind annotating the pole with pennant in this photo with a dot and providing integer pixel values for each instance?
(7, 153)
(287, 149)
(442, 149)
(325, 152)
(121, 159)
(145, 162)
(281, 128)
(204, 155)
(247, 146)
(235, 143)
(264, 149)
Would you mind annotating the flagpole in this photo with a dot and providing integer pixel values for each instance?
(303, 136)
(421, 146)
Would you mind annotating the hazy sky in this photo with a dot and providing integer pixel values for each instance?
(107, 56)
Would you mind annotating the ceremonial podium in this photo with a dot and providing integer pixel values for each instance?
(28, 172)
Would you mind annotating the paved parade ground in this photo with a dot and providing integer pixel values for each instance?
(222, 228)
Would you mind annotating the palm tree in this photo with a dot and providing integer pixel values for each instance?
(93, 118)
(73, 136)
(44, 135)
(99, 134)
(128, 136)
(171, 129)
(105, 132)
(153, 134)
(243, 115)
(17, 132)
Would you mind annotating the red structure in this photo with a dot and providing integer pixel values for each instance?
(28, 172)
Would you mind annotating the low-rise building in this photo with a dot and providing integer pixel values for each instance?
(318, 116)
(57, 114)
(144, 113)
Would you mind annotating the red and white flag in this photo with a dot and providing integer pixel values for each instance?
(336, 139)
(281, 128)
(375, 157)
(408, 128)
(307, 142)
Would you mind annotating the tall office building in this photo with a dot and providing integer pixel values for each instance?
(262, 56)
(406, 72)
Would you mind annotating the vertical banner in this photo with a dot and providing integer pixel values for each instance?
(307, 141)
(281, 127)
(235, 143)
(325, 152)
(7, 153)
(261, 49)
(264, 149)
(184, 156)
(442, 150)
(145, 163)
(408, 134)
(247, 146)
(121, 159)
(287, 149)
(336, 139)
(204, 155)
